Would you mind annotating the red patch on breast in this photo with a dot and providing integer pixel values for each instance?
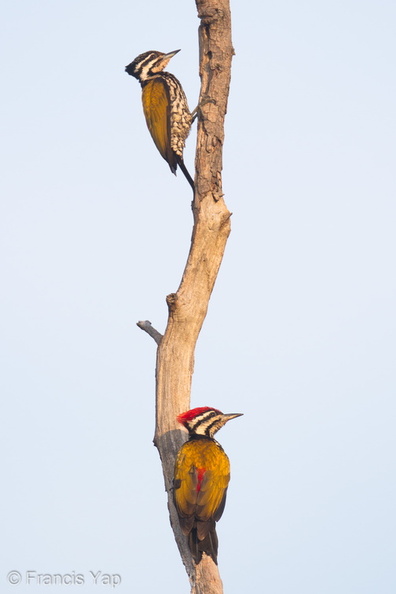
(200, 477)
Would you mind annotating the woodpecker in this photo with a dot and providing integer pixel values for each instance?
(165, 107)
(202, 474)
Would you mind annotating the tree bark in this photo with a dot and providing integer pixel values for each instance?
(188, 306)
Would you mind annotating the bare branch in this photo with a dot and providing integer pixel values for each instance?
(151, 331)
(188, 306)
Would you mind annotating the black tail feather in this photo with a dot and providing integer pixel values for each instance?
(188, 177)
(208, 545)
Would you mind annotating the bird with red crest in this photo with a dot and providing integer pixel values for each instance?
(201, 477)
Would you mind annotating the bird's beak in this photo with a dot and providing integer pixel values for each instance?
(230, 416)
(171, 54)
(165, 60)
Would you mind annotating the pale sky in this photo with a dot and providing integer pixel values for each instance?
(300, 335)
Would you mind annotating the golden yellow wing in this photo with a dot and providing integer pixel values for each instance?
(156, 109)
(202, 474)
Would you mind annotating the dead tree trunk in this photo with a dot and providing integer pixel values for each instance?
(188, 306)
